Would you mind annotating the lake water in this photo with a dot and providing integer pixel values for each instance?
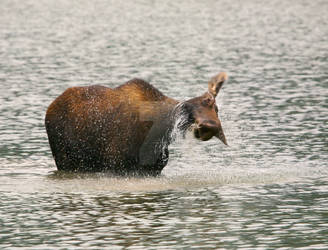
(268, 189)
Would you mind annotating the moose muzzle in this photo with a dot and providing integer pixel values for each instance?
(205, 130)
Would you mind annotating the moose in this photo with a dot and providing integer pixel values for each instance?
(126, 130)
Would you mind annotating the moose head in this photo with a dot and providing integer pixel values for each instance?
(203, 112)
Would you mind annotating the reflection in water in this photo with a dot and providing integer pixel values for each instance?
(268, 189)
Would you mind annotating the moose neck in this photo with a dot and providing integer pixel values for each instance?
(169, 117)
(178, 120)
(165, 117)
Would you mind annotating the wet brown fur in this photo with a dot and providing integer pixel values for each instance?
(97, 128)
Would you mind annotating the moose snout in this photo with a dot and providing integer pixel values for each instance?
(208, 126)
(206, 129)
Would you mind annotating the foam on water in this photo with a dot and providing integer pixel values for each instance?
(180, 177)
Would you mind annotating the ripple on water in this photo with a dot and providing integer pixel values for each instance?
(268, 188)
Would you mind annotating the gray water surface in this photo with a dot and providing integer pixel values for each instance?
(268, 189)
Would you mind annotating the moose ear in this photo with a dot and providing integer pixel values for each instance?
(216, 82)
